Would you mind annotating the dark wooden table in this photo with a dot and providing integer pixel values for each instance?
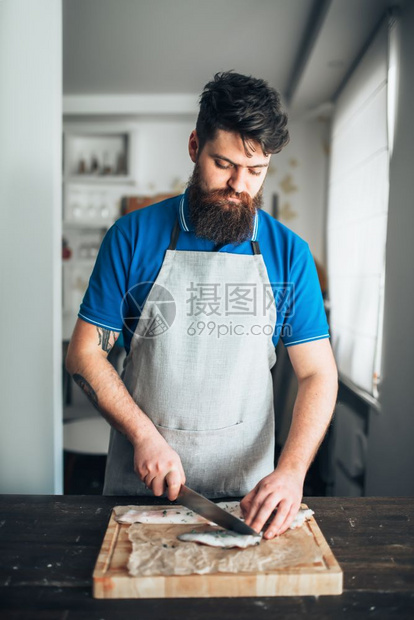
(49, 545)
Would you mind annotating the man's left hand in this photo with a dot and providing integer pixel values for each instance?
(281, 490)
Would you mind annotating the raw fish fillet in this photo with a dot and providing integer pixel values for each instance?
(221, 538)
(156, 517)
(181, 515)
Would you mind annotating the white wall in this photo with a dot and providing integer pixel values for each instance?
(299, 176)
(163, 163)
(30, 238)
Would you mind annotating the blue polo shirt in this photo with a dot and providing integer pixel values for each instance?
(133, 250)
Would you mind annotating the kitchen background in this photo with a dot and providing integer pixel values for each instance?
(97, 107)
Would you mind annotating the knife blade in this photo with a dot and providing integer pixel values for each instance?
(210, 511)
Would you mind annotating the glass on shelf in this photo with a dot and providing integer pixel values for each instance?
(83, 250)
(91, 210)
(76, 206)
(88, 249)
(77, 210)
(104, 212)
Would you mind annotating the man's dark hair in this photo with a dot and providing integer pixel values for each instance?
(245, 105)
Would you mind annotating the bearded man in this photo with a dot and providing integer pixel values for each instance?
(202, 286)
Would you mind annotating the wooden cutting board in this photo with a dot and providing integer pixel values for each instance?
(111, 578)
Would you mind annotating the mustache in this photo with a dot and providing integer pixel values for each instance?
(223, 195)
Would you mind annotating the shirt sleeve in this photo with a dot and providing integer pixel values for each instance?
(304, 317)
(102, 302)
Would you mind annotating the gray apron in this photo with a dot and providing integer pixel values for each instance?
(199, 367)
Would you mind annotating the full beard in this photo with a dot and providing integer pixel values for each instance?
(216, 218)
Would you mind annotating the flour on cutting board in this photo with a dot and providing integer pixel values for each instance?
(156, 550)
(164, 544)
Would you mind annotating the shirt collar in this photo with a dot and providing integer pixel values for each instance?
(187, 226)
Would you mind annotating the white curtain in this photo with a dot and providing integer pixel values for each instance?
(357, 211)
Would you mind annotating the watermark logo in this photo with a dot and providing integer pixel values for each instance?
(238, 299)
(148, 309)
(221, 330)
(283, 295)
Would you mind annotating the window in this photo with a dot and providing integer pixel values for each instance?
(361, 146)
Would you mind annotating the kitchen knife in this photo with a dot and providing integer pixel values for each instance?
(210, 511)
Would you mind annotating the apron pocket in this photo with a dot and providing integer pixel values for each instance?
(218, 462)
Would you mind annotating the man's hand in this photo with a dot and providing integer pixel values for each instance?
(158, 465)
(155, 462)
(280, 489)
(315, 369)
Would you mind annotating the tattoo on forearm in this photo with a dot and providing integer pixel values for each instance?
(87, 388)
(104, 338)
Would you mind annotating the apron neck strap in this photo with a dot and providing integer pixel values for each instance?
(176, 231)
(174, 236)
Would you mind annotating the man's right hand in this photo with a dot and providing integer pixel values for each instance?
(155, 462)
(158, 465)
